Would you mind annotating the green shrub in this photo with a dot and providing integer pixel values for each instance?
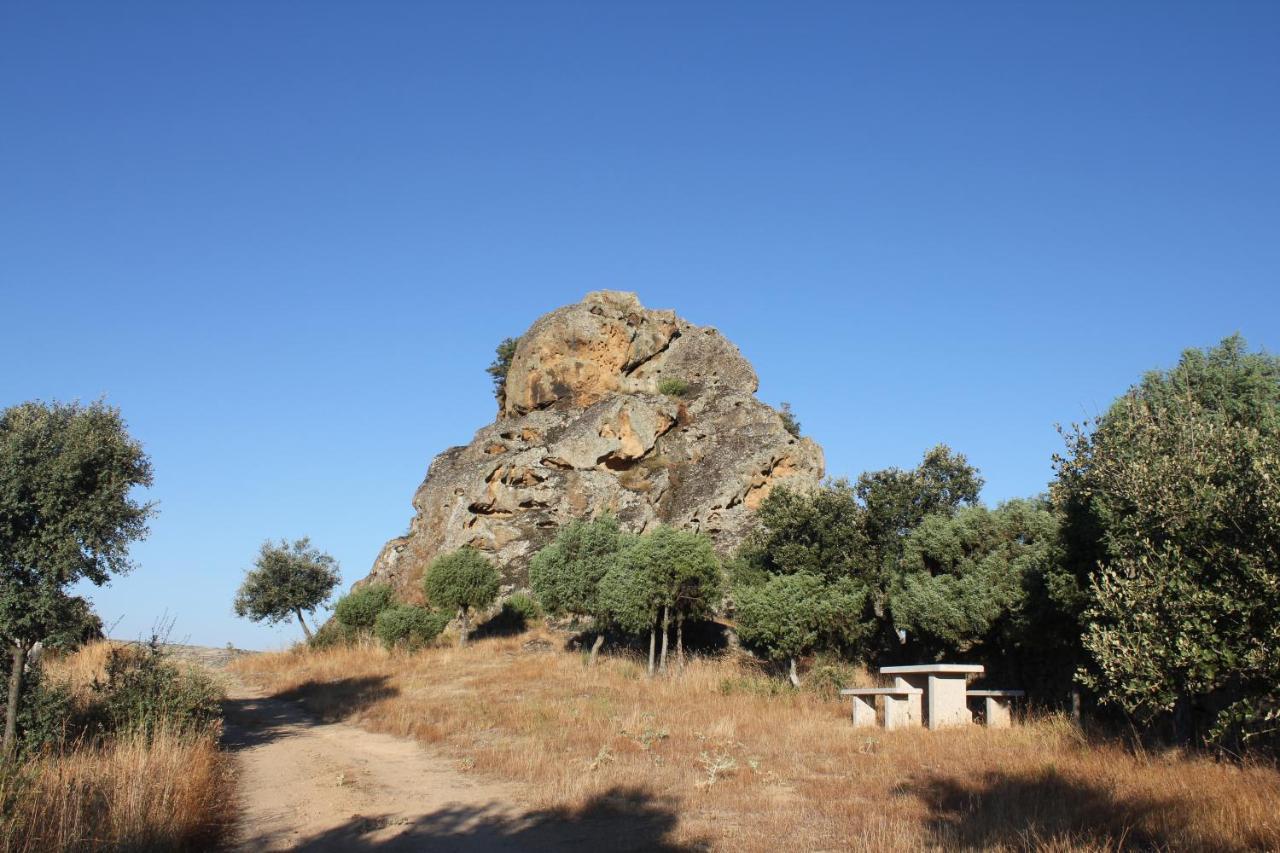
(45, 712)
(334, 633)
(462, 580)
(673, 386)
(523, 605)
(409, 626)
(360, 608)
(145, 691)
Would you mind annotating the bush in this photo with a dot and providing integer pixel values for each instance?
(144, 692)
(462, 580)
(673, 387)
(359, 608)
(334, 633)
(409, 626)
(523, 605)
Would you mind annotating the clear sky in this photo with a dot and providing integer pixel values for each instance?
(284, 238)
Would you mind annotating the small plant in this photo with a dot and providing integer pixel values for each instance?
(359, 608)
(673, 386)
(521, 609)
(497, 370)
(789, 421)
(409, 626)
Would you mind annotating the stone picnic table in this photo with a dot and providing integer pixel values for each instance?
(944, 686)
(935, 694)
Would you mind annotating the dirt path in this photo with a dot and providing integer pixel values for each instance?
(314, 786)
(307, 785)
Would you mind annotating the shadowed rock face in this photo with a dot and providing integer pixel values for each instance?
(582, 430)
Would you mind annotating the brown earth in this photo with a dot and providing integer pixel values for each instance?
(307, 784)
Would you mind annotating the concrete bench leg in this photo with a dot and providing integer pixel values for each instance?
(899, 713)
(864, 712)
(998, 716)
(947, 703)
(912, 707)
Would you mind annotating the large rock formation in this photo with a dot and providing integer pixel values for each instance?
(583, 430)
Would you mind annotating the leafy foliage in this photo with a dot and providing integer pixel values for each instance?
(359, 608)
(409, 626)
(793, 614)
(501, 365)
(566, 574)
(1180, 480)
(287, 579)
(145, 691)
(966, 580)
(673, 386)
(66, 475)
(461, 581)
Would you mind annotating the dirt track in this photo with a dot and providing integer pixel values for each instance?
(316, 786)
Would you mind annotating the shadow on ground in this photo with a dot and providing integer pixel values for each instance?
(253, 721)
(1029, 810)
(332, 701)
(621, 819)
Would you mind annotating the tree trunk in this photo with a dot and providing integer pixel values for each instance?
(305, 629)
(666, 632)
(15, 690)
(653, 634)
(680, 638)
(462, 638)
(791, 674)
(1075, 705)
(595, 649)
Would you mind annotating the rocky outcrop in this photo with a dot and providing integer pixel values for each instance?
(582, 430)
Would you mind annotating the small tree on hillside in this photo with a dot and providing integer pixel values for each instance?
(497, 370)
(286, 580)
(790, 615)
(66, 474)
(566, 574)
(461, 581)
(359, 609)
(631, 599)
(685, 570)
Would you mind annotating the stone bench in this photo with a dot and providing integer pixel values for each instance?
(901, 705)
(997, 705)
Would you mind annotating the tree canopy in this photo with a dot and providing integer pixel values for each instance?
(286, 580)
(1175, 496)
(67, 513)
(463, 581)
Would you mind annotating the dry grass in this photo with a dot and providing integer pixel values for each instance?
(752, 770)
(173, 791)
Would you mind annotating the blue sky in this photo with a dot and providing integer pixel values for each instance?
(285, 238)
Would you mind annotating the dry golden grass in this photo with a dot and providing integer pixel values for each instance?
(173, 791)
(753, 771)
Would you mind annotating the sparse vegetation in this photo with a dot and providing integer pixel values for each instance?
(125, 758)
(673, 386)
(461, 581)
(789, 420)
(801, 777)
